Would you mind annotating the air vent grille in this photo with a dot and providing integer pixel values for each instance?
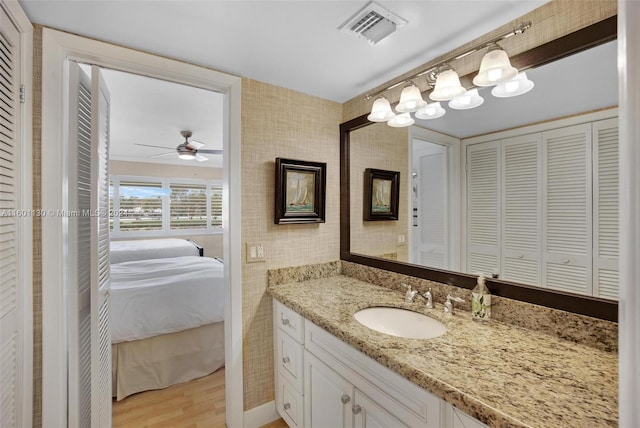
(373, 23)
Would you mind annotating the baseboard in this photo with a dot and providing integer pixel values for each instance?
(261, 415)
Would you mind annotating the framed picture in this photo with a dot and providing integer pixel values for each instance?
(381, 194)
(300, 191)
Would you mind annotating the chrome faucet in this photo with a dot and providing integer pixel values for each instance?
(410, 294)
(448, 305)
(428, 297)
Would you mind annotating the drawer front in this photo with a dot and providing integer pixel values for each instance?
(288, 321)
(290, 404)
(289, 364)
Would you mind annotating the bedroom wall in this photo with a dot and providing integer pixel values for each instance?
(278, 122)
(212, 243)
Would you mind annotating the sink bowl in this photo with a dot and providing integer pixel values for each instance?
(400, 322)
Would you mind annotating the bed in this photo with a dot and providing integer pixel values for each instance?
(145, 249)
(166, 322)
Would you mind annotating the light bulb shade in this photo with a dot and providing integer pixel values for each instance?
(447, 86)
(431, 111)
(381, 111)
(494, 68)
(468, 100)
(186, 156)
(410, 99)
(401, 120)
(512, 88)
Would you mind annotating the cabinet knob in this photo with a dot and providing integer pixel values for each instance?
(286, 406)
(356, 409)
(566, 260)
(285, 360)
(521, 256)
(285, 321)
(345, 398)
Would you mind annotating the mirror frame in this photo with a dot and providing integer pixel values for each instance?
(593, 35)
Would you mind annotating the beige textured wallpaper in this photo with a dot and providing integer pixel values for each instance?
(278, 122)
(379, 146)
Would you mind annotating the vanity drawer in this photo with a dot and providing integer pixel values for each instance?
(289, 321)
(288, 363)
(289, 404)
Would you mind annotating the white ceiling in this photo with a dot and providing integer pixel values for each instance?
(297, 45)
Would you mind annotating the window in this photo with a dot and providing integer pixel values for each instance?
(160, 206)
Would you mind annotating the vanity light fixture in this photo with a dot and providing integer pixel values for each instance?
(381, 110)
(511, 88)
(447, 86)
(401, 120)
(470, 99)
(495, 69)
(431, 111)
(410, 99)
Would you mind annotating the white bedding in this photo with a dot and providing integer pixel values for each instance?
(151, 297)
(144, 249)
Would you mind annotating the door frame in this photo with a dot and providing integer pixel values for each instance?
(57, 48)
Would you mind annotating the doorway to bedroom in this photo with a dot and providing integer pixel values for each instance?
(165, 229)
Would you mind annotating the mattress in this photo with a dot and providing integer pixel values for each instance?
(144, 249)
(159, 296)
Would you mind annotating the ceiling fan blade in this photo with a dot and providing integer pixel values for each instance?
(193, 144)
(201, 158)
(157, 147)
(162, 154)
(211, 151)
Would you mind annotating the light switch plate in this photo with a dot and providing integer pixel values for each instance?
(255, 252)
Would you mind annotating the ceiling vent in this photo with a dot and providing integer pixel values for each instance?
(373, 23)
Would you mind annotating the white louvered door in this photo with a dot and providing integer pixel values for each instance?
(89, 358)
(567, 226)
(483, 207)
(605, 208)
(12, 368)
(521, 209)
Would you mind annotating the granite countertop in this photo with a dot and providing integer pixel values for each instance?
(503, 375)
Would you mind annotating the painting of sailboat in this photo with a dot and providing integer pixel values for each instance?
(381, 196)
(300, 191)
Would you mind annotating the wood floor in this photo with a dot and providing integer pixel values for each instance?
(196, 404)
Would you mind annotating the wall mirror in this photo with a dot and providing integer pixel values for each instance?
(396, 245)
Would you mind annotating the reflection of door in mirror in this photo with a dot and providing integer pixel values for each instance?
(433, 230)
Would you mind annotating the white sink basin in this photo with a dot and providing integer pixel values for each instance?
(400, 322)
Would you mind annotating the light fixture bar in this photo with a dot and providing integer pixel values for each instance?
(516, 30)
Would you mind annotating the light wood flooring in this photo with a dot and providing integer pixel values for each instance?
(196, 404)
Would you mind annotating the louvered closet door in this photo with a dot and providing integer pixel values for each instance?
(11, 334)
(483, 207)
(567, 209)
(89, 347)
(522, 209)
(605, 208)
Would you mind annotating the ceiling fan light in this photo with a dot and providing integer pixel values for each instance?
(381, 111)
(410, 99)
(494, 68)
(519, 85)
(186, 156)
(447, 86)
(468, 100)
(401, 120)
(431, 111)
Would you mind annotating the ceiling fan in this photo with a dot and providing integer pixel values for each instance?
(188, 150)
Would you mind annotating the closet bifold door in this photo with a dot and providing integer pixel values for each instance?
(567, 208)
(483, 207)
(605, 208)
(521, 209)
(89, 340)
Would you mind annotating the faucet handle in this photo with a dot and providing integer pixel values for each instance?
(428, 296)
(448, 305)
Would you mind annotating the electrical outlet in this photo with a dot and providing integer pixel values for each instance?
(401, 240)
(255, 252)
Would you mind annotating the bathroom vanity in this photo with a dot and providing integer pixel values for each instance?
(332, 371)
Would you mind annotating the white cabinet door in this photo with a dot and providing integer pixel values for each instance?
(368, 414)
(462, 420)
(521, 209)
(483, 207)
(327, 396)
(605, 208)
(567, 211)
